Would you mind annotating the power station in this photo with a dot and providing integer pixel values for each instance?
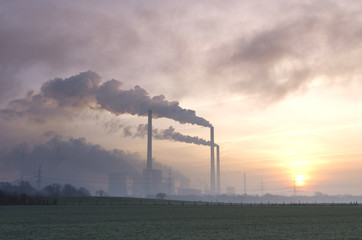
(152, 181)
(152, 178)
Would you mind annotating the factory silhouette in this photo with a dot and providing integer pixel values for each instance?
(153, 181)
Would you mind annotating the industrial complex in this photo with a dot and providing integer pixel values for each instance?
(153, 181)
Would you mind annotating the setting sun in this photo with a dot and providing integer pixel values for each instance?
(300, 180)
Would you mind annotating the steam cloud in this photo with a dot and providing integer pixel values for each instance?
(61, 96)
(169, 134)
(71, 159)
(176, 136)
(66, 158)
(137, 102)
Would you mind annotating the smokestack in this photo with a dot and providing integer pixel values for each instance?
(149, 141)
(212, 162)
(218, 168)
(244, 184)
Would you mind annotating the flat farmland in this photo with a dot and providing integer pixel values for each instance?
(179, 222)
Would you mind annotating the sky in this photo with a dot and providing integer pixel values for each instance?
(279, 80)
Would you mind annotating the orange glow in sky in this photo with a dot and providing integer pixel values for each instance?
(300, 181)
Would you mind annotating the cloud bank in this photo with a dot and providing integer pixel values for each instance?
(240, 47)
(65, 160)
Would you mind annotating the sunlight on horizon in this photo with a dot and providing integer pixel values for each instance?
(300, 181)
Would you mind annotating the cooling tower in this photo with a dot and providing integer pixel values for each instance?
(212, 161)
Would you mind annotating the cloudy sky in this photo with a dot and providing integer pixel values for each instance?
(279, 80)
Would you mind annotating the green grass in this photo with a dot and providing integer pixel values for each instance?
(87, 221)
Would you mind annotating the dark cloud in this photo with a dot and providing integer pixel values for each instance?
(33, 36)
(74, 91)
(57, 98)
(271, 64)
(56, 38)
(261, 52)
(285, 56)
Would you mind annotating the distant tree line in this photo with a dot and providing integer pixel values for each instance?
(25, 193)
(270, 198)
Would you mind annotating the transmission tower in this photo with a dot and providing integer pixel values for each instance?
(39, 178)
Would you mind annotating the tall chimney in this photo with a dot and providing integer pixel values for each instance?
(149, 141)
(218, 168)
(244, 184)
(212, 162)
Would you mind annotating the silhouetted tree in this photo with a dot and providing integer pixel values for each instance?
(52, 190)
(24, 193)
(7, 187)
(100, 193)
(26, 188)
(83, 192)
(69, 190)
(161, 196)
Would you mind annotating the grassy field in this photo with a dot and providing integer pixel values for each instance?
(86, 221)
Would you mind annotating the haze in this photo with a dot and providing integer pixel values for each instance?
(280, 81)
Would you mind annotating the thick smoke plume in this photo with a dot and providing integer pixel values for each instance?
(137, 102)
(176, 136)
(61, 96)
(166, 134)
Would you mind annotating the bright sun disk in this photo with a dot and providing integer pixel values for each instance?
(300, 180)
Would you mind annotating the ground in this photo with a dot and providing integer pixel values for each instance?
(177, 221)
